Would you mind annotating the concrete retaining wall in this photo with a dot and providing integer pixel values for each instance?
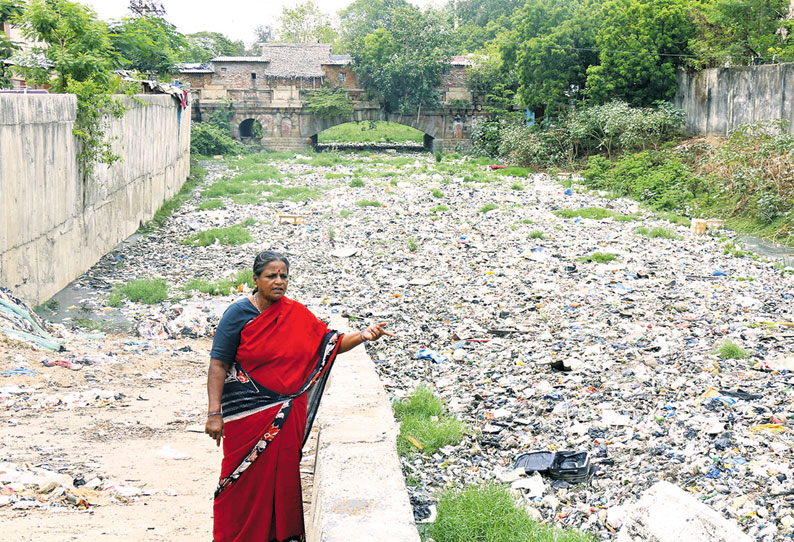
(359, 489)
(54, 226)
(718, 100)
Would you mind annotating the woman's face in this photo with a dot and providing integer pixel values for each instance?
(272, 282)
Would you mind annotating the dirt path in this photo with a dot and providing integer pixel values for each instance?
(126, 441)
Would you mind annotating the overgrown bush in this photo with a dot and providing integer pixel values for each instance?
(610, 128)
(328, 102)
(209, 139)
(528, 146)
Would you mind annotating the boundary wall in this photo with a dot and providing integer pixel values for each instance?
(719, 100)
(359, 488)
(53, 224)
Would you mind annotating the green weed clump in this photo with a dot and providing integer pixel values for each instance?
(593, 213)
(439, 208)
(356, 183)
(210, 204)
(231, 236)
(512, 171)
(424, 422)
(413, 246)
(657, 233)
(599, 257)
(436, 193)
(731, 350)
(220, 287)
(368, 203)
(516, 186)
(491, 513)
(488, 207)
(537, 234)
(344, 213)
(149, 291)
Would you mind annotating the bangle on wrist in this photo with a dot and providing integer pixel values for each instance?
(219, 413)
(360, 336)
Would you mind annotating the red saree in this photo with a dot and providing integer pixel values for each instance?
(279, 350)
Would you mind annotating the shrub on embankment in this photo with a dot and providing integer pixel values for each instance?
(746, 179)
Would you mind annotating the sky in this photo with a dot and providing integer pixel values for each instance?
(234, 18)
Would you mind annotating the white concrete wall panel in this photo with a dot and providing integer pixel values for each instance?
(53, 224)
(721, 99)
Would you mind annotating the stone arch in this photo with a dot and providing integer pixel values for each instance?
(249, 127)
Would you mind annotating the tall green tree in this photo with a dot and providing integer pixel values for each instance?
(404, 65)
(305, 23)
(9, 10)
(148, 44)
(639, 42)
(479, 22)
(362, 17)
(78, 44)
(552, 49)
(204, 46)
(742, 32)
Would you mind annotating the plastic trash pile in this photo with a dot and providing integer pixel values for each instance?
(669, 360)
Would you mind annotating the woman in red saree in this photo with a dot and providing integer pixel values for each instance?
(269, 362)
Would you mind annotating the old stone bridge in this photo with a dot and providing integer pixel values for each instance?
(262, 96)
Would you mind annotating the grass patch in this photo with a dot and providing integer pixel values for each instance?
(488, 207)
(516, 186)
(424, 422)
(526, 221)
(626, 218)
(93, 325)
(210, 204)
(599, 257)
(149, 291)
(436, 193)
(512, 171)
(370, 132)
(676, 219)
(368, 203)
(730, 249)
(220, 287)
(335, 175)
(231, 236)
(731, 350)
(345, 213)
(491, 513)
(356, 183)
(259, 173)
(413, 246)
(325, 159)
(593, 213)
(439, 208)
(657, 233)
(537, 234)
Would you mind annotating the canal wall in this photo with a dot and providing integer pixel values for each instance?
(719, 100)
(54, 225)
(359, 489)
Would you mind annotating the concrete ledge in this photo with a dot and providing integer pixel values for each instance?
(359, 489)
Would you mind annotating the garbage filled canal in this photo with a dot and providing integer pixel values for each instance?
(547, 319)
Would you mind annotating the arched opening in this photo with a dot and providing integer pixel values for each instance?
(371, 134)
(251, 128)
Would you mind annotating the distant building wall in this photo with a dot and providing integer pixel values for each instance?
(54, 226)
(721, 99)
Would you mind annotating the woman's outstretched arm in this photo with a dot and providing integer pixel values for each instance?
(372, 333)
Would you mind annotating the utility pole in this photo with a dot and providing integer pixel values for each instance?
(145, 8)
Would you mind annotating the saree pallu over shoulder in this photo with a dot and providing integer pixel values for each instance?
(243, 396)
